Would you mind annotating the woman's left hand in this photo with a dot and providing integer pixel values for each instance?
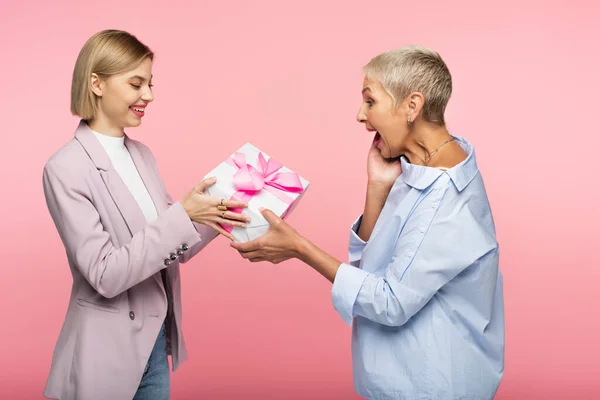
(279, 244)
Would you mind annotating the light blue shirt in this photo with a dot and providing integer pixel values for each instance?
(424, 295)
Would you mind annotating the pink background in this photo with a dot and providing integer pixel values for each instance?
(286, 76)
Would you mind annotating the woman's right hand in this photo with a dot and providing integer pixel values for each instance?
(382, 174)
(381, 171)
(203, 209)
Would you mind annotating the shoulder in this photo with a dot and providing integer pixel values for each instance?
(70, 157)
(66, 173)
(472, 199)
(467, 213)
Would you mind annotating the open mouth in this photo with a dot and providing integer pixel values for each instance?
(377, 138)
(139, 111)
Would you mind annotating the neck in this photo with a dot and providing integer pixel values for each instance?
(423, 140)
(102, 125)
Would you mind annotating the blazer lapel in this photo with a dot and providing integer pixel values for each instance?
(126, 203)
(130, 210)
(149, 179)
(152, 183)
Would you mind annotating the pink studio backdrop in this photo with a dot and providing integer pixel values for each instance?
(286, 77)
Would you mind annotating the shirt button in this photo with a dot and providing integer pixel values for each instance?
(410, 254)
(422, 230)
(131, 315)
(434, 205)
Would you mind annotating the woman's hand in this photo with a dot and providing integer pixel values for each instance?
(203, 209)
(380, 170)
(282, 242)
(279, 244)
(382, 174)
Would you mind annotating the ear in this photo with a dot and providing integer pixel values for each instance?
(415, 102)
(96, 85)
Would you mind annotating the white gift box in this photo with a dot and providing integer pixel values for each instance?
(248, 169)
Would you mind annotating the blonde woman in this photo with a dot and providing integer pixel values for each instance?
(422, 289)
(123, 235)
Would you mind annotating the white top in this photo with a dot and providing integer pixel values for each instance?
(123, 164)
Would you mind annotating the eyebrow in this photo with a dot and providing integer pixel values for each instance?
(141, 78)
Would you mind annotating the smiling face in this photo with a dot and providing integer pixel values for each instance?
(122, 98)
(379, 115)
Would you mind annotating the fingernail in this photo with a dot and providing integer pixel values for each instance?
(262, 209)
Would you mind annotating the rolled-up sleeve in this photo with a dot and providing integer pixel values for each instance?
(346, 286)
(356, 245)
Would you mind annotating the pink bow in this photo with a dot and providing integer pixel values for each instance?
(249, 180)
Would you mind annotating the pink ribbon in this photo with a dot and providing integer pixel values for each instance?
(249, 181)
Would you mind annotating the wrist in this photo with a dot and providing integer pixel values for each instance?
(301, 248)
(379, 186)
(185, 207)
(378, 192)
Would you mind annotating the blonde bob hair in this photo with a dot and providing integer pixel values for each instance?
(107, 53)
(414, 69)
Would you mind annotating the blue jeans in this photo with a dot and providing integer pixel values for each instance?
(156, 381)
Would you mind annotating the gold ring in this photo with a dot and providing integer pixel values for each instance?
(222, 208)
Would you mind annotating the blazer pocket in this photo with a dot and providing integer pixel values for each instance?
(96, 306)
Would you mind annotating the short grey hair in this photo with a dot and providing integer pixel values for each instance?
(414, 69)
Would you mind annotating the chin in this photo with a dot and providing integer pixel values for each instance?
(134, 123)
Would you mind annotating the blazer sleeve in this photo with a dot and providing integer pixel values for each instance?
(206, 234)
(110, 270)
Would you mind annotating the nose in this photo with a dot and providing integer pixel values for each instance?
(361, 116)
(148, 96)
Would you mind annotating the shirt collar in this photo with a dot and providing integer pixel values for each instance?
(420, 177)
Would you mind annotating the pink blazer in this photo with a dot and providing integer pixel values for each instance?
(118, 302)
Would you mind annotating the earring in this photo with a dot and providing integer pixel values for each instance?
(409, 121)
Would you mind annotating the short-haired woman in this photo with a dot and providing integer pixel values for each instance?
(422, 288)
